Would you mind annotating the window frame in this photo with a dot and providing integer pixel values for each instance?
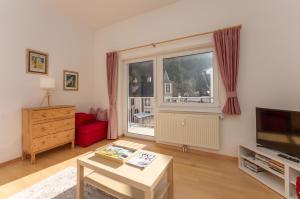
(187, 106)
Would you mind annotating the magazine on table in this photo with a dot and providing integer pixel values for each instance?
(142, 159)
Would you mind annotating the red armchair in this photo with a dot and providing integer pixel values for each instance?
(89, 130)
(298, 186)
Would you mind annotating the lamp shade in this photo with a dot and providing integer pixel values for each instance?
(47, 83)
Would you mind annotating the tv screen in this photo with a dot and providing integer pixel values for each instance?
(278, 130)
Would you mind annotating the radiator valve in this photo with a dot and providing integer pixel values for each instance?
(184, 148)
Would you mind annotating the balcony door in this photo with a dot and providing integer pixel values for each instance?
(141, 98)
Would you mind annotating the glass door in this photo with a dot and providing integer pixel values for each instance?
(141, 98)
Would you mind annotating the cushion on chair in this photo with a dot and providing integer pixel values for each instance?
(93, 112)
(101, 114)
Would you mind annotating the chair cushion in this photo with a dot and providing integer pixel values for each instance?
(101, 114)
(93, 112)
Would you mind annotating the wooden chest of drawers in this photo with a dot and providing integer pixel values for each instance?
(46, 128)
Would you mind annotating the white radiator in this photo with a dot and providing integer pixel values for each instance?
(197, 130)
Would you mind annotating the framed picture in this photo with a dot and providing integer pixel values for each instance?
(71, 80)
(37, 62)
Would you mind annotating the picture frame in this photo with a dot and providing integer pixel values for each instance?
(71, 80)
(36, 62)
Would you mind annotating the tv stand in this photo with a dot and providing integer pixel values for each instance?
(282, 181)
(289, 157)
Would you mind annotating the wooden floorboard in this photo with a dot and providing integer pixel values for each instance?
(196, 176)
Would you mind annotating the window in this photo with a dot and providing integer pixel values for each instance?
(140, 79)
(140, 88)
(188, 79)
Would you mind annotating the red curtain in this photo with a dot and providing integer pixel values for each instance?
(227, 44)
(112, 83)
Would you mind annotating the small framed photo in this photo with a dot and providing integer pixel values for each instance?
(37, 62)
(71, 80)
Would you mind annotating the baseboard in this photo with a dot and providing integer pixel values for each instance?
(10, 161)
(196, 151)
(179, 148)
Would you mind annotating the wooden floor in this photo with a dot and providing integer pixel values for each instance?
(196, 176)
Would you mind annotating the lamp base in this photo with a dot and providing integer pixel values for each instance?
(46, 97)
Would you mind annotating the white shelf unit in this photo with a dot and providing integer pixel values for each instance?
(284, 184)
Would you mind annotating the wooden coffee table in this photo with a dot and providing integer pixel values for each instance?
(126, 181)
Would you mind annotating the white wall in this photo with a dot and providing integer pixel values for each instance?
(33, 24)
(269, 63)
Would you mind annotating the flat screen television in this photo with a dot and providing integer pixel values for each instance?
(278, 130)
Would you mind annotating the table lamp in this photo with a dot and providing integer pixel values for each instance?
(47, 84)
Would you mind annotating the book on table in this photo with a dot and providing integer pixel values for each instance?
(115, 153)
(141, 159)
(123, 151)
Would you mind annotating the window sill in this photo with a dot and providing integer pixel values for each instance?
(207, 110)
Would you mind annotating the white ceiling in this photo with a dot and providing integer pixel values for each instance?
(100, 13)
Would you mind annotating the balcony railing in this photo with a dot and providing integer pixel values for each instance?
(141, 112)
(203, 99)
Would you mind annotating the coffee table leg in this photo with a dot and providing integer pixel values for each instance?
(149, 195)
(80, 171)
(170, 180)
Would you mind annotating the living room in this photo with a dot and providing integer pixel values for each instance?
(196, 83)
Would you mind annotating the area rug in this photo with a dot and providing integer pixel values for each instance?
(60, 186)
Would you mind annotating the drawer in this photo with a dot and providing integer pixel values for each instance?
(51, 141)
(42, 129)
(50, 114)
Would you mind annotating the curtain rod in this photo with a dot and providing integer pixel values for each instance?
(176, 39)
